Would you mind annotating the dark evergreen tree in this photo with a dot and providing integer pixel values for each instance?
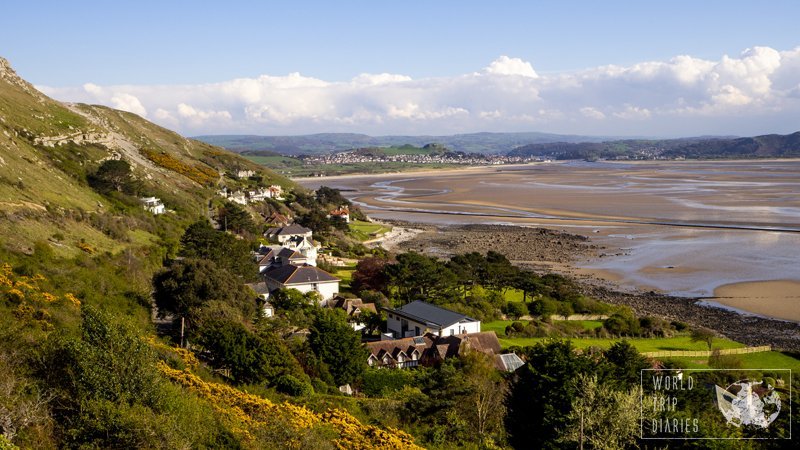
(336, 343)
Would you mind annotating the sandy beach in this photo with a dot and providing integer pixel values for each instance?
(779, 298)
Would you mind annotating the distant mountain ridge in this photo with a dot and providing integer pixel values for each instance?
(333, 142)
(765, 146)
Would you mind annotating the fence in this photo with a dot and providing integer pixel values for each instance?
(707, 353)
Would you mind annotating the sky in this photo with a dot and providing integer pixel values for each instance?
(621, 68)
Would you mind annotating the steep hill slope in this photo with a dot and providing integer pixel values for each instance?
(48, 150)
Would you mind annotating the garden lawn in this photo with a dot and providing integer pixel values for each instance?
(364, 231)
(346, 275)
(762, 360)
(641, 344)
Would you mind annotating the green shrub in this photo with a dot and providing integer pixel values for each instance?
(382, 382)
(291, 385)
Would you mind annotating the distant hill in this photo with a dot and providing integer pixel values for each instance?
(49, 150)
(332, 142)
(767, 146)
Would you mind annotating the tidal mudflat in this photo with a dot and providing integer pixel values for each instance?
(682, 227)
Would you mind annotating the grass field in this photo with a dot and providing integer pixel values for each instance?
(641, 344)
(514, 295)
(764, 360)
(346, 275)
(364, 231)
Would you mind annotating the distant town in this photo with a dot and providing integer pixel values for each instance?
(471, 159)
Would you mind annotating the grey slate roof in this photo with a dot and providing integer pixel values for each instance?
(292, 229)
(420, 311)
(259, 288)
(290, 274)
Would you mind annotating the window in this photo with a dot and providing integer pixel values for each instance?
(452, 332)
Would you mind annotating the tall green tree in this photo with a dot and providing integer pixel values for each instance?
(232, 217)
(336, 343)
(113, 175)
(251, 358)
(540, 400)
(186, 286)
(601, 417)
(625, 364)
(420, 277)
(201, 240)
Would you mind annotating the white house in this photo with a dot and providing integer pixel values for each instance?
(304, 279)
(276, 192)
(244, 173)
(283, 234)
(418, 318)
(238, 197)
(276, 256)
(305, 246)
(153, 205)
(342, 213)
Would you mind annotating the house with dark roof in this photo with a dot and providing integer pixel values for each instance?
(283, 234)
(430, 349)
(270, 257)
(303, 278)
(277, 220)
(418, 318)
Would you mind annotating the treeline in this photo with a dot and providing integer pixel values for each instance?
(471, 283)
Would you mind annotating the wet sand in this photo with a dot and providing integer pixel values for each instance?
(682, 228)
(779, 299)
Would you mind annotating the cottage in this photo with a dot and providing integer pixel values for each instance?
(303, 278)
(429, 349)
(277, 220)
(276, 192)
(153, 205)
(342, 213)
(418, 318)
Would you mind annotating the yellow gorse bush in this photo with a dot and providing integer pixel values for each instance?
(247, 411)
(200, 174)
(27, 292)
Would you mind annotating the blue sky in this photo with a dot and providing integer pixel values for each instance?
(130, 49)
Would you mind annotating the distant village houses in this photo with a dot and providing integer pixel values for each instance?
(256, 195)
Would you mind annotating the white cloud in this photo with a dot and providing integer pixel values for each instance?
(592, 113)
(511, 66)
(128, 102)
(757, 91)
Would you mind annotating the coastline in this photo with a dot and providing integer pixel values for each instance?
(419, 171)
(541, 249)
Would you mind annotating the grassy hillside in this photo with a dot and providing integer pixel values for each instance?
(48, 150)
